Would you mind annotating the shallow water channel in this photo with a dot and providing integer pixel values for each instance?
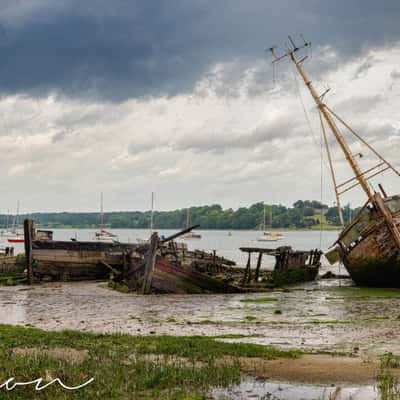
(253, 389)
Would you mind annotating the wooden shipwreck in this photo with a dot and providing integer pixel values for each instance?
(160, 265)
(291, 266)
(369, 247)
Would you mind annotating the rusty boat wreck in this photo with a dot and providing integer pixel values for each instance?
(160, 265)
(369, 246)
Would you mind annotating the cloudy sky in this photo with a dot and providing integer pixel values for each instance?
(178, 97)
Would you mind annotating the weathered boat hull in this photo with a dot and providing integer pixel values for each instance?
(375, 274)
(181, 279)
(69, 260)
(374, 261)
(368, 250)
(305, 273)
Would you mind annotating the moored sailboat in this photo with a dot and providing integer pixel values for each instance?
(190, 234)
(102, 235)
(268, 236)
(15, 236)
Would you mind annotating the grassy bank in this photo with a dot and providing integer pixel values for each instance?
(123, 366)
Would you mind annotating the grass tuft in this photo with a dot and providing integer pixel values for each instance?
(259, 300)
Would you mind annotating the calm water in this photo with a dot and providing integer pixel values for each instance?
(227, 246)
(263, 390)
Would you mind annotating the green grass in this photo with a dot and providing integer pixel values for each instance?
(364, 292)
(12, 278)
(259, 300)
(390, 360)
(323, 223)
(123, 366)
(388, 383)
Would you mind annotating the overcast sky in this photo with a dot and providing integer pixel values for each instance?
(178, 97)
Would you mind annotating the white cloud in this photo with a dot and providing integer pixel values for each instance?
(236, 139)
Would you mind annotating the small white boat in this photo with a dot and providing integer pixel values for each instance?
(13, 235)
(269, 236)
(102, 235)
(190, 235)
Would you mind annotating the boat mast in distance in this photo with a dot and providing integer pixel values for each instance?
(102, 235)
(190, 234)
(152, 214)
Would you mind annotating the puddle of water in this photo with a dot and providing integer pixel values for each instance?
(251, 389)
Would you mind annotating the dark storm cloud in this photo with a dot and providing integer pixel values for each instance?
(121, 49)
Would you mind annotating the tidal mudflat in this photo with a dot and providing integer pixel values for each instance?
(319, 316)
(341, 330)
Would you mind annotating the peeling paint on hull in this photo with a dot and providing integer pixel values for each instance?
(368, 250)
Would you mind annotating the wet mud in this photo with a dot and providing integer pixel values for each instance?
(327, 315)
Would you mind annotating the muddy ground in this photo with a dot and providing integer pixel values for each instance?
(319, 316)
(354, 326)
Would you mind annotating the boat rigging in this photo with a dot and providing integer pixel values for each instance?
(369, 246)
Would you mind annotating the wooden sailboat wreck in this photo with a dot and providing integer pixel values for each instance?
(166, 266)
(161, 265)
(369, 246)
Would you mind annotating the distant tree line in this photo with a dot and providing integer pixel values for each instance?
(303, 214)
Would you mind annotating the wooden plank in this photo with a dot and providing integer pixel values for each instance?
(258, 250)
(180, 233)
(150, 263)
(258, 267)
(28, 236)
(247, 270)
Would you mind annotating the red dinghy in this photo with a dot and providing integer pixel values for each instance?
(15, 240)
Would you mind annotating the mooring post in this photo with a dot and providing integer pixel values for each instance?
(150, 263)
(260, 254)
(247, 270)
(28, 237)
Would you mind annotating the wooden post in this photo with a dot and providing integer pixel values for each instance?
(260, 254)
(28, 237)
(150, 263)
(247, 270)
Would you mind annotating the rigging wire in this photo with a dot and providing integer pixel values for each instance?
(306, 113)
(320, 145)
(304, 108)
(321, 185)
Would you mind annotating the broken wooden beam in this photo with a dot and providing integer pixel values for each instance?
(180, 233)
(150, 263)
(257, 274)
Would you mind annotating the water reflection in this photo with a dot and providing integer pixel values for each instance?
(252, 389)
